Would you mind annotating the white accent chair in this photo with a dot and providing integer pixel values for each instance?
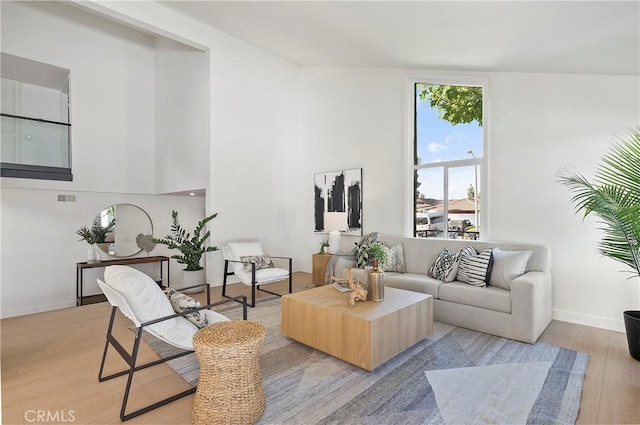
(140, 299)
(232, 253)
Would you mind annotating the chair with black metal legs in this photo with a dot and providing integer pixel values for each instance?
(141, 300)
(254, 268)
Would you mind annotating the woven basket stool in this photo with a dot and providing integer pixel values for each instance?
(230, 387)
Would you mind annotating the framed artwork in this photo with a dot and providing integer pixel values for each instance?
(338, 191)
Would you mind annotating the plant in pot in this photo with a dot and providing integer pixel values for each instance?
(366, 253)
(191, 249)
(614, 196)
(92, 236)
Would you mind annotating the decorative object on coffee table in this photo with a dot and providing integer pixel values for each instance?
(615, 198)
(230, 389)
(191, 250)
(375, 278)
(358, 293)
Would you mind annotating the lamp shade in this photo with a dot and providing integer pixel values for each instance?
(335, 221)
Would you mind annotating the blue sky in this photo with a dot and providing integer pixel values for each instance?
(439, 140)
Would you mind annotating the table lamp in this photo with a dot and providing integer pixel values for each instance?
(334, 222)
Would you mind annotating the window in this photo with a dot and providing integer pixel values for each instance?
(35, 120)
(447, 143)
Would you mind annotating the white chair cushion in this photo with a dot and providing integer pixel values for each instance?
(242, 249)
(263, 275)
(148, 302)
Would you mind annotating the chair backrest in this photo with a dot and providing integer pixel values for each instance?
(235, 250)
(140, 299)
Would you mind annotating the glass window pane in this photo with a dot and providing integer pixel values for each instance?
(442, 132)
(429, 218)
(34, 143)
(464, 205)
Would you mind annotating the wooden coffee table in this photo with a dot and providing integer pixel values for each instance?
(366, 335)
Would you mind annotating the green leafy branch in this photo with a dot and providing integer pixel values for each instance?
(615, 198)
(191, 247)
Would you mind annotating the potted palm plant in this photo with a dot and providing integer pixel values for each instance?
(614, 196)
(191, 249)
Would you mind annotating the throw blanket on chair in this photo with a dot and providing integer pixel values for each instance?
(343, 260)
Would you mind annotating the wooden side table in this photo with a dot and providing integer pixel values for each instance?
(320, 262)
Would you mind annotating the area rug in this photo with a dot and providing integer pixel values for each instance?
(456, 376)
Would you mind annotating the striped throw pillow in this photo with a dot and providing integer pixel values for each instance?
(476, 269)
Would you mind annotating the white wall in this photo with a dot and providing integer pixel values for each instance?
(181, 117)
(111, 92)
(40, 247)
(537, 123)
(123, 138)
(355, 119)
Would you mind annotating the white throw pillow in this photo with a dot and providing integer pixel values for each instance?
(508, 265)
(395, 259)
(182, 302)
(148, 302)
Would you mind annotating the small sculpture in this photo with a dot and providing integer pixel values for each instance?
(358, 293)
(145, 242)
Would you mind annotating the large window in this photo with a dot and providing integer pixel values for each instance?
(448, 159)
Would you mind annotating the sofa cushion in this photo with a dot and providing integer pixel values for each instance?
(475, 269)
(414, 282)
(491, 298)
(507, 265)
(395, 259)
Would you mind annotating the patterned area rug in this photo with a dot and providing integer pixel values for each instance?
(456, 376)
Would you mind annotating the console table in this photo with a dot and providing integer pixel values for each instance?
(81, 267)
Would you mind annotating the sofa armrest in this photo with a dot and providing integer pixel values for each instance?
(531, 305)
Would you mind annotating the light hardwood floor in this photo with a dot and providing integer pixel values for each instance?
(50, 365)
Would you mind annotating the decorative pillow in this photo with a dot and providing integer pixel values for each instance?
(261, 262)
(507, 265)
(475, 269)
(445, 267)
(181, 302)
(395, 259)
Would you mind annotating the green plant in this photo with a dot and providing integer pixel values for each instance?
(366, 253)
(191, 247)
(87, 235)
(101, 232)
(323, 245)
(615, 197)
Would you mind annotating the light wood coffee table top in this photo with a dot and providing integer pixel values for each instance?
(366, 335)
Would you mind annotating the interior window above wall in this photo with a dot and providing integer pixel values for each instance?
(35, 120)
(448, 158)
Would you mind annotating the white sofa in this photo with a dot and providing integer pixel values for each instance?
(521, 313)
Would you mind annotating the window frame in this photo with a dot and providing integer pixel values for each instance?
(410, 149)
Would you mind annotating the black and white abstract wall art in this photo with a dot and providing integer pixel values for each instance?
(338, 191)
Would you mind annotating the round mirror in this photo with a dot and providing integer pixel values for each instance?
(120, 224)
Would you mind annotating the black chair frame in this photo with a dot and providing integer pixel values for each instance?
(131, 358)
(254, 284)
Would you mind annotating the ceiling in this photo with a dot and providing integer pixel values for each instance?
(587, 37)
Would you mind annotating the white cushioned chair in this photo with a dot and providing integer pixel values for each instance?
(140, 299)
(249, 271)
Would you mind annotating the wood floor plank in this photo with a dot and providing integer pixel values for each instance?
(50, 361)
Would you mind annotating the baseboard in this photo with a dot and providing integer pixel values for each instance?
(589, 320)
(35, 309)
